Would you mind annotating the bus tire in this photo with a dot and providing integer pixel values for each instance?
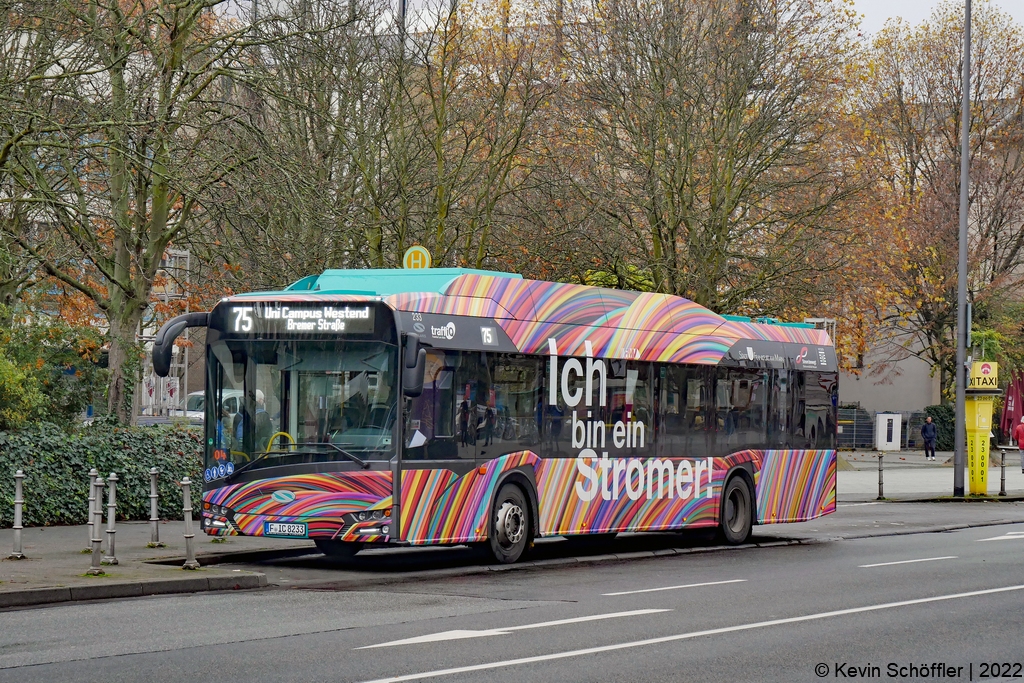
(510, 532)
(736, 516)
(337, 550)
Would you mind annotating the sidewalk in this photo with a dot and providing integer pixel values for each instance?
(908, 476)
(54, 567)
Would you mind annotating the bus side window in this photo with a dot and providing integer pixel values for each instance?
(683, 431)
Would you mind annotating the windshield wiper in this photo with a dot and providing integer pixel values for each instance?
(357, 460)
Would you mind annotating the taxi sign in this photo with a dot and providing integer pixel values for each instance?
(416, 257)
(984, 375)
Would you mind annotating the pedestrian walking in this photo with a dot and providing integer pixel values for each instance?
(1018, 434)
(929, 432)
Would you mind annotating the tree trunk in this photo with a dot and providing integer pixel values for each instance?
(124, 362)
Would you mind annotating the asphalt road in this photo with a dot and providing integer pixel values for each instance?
(776, 613)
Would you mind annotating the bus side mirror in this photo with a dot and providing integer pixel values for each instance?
(164, 343)
(415, 362)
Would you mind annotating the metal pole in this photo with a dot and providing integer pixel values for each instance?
(961, 278)
(1002, 471)
(190, 554)
(111, 557)
(93, 473)
(18, 502)
(881, 494)
(154, 515)
(97, 522)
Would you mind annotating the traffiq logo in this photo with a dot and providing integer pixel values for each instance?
(443, 332)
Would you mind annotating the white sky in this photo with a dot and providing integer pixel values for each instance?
(875, 12)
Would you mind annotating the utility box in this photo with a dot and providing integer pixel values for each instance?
(888, 427)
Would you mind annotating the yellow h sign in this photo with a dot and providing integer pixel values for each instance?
(416, 257)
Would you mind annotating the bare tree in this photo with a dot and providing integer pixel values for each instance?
(911, 102)
(712, 121)
(116, 162)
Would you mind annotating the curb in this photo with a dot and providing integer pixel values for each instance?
(1012, 498)
(133, 589)
(237, 556)
(926, 530)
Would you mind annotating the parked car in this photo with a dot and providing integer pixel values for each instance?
(195, 404)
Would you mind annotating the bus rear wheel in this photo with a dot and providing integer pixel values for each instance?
(337, 550)
(736, 518)
(510, 525)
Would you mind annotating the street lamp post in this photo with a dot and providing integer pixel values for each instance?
(961, 280)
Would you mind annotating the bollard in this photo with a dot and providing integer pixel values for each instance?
(881, 495)
(18, 502)
(97, 521)
(110, 557)
(154, 517)
(190, 554)
(93, 473)
(1002, 471)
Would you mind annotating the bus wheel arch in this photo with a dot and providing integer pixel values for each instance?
(737, 507)
(513, 504)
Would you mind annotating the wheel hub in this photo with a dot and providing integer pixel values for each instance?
(511, 524)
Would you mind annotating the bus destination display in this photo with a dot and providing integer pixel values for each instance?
(262, 318)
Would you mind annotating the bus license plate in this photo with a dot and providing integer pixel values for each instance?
(289, 529)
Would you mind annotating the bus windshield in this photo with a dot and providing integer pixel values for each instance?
(283, 402)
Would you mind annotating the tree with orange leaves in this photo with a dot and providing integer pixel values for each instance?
(910, 107)
(109, 152)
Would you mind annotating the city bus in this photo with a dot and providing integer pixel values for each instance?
(365, 408)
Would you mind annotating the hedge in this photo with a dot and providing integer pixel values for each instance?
(57, 464)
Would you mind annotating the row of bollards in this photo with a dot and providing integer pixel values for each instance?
(95, 524)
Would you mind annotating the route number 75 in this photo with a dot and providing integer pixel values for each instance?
(243, 319)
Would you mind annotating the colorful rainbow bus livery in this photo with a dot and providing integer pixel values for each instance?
(450, 406)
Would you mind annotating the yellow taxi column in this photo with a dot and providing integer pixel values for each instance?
(981, 393)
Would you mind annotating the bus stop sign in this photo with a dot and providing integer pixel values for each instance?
(416, 257)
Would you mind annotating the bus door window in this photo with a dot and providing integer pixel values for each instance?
(725, 413)
(474, 396)
(510, 423)
(800, 427)
(778, 411)
(818, 430)
(227, 384)
(430, 429)
(747, 408)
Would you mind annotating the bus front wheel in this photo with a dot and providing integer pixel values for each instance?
(337, 550)
(736, 516)
(510, 524)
